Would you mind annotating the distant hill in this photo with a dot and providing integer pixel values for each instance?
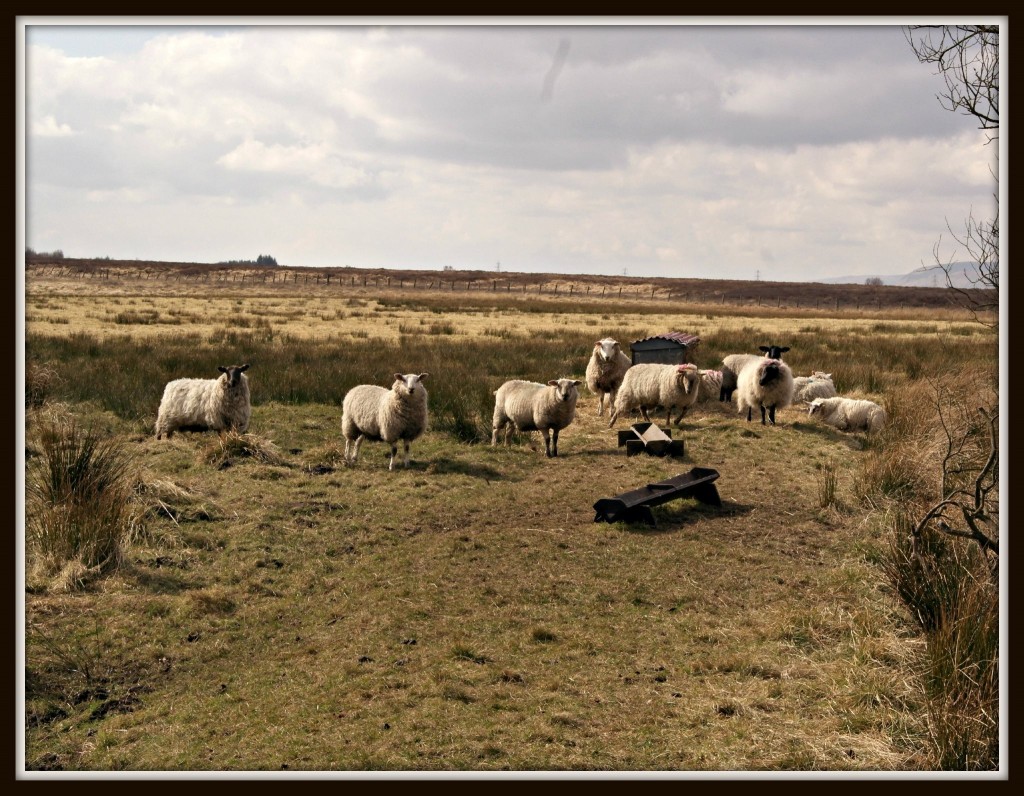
(926, 276)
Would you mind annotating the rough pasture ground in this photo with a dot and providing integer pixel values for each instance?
(467, 614)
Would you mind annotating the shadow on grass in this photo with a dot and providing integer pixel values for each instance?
(446, 466)
(162, 582)
(676, 515)
(852, 441)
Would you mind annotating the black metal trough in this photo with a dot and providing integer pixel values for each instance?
(635, 505)
(648, 438)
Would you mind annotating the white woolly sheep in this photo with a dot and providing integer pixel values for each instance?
(848, 414)
(383, 415)
(817, 385)
(531, 406)
(710, 385)
(734, 363)
(605, 370)
(219, 405)
(649, 385)
(766, 383)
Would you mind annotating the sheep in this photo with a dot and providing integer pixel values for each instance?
(385, 415)
(733, 364)
(710, 384)
(605, 370)
(848, 414)
(206, 404)
(766, 383)
(649, 385)
(532, 406)
(817, 385)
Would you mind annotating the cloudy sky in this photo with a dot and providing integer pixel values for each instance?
(782, 151)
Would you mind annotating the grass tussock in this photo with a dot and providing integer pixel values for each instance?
(232, 445)
(40, 381)
(78, 508)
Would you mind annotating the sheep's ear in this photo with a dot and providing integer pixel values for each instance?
(552, 383)
(399, 377)
(577, 382)
(784, 349)
(764, 348)
(423, 376)
(222, 369)
(243, 368)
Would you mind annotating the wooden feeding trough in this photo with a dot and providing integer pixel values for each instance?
(635, 505)
(647, 437)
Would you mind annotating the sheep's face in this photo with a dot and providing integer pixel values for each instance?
(409, 383)
(607, 349)
(821, 376)
(771, 371)
(566, 389)
(814, 406)
(774, 351)
(234, 373)
(687, 377)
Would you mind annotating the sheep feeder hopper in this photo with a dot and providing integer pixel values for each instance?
(647, 437)
(635, 505)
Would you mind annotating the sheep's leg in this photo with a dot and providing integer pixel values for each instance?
(394, 453)
(763, 422)
(406, 442)
(750, 410)
(554, 442)
(600, 403)
(355, 448)
(614, 416)
(771, 414)
(547, 441)
(643, 412)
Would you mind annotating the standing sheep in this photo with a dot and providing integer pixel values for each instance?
(648, 385)
(206, 404)
(817, 385)
(848, 414)
(734, 363)
(765, 383)
(605, 370)
(531, 406)
(376, 413)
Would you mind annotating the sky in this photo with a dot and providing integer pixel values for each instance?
(779, 151)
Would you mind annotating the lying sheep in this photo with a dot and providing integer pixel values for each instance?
(817, 385)
(531, 406)
(376, 413)
(646, 386)
(766, 383)
(605, 370)
(734, 363)
(206, 404)
(848, 414)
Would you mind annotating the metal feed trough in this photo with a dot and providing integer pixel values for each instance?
(635, 505)
(647, 437)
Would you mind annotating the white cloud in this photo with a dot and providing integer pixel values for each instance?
(49, 127)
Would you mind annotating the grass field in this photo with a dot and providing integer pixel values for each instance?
(286, 611)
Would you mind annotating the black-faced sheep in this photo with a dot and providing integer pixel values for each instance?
(734, 363)
(375, 413)
(765, 383)
(532, 406)
(605, 371)
(206, 404)
(848, 414)
(649, 385)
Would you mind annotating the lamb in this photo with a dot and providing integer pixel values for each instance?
(532, 406)
(766, 383)
(734, 363)
(848, 414)
(206, 404)
(649, 385)
(817, 385)
(605, 370)
(388, 415)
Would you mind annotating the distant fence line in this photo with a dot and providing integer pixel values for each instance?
(452, 285)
